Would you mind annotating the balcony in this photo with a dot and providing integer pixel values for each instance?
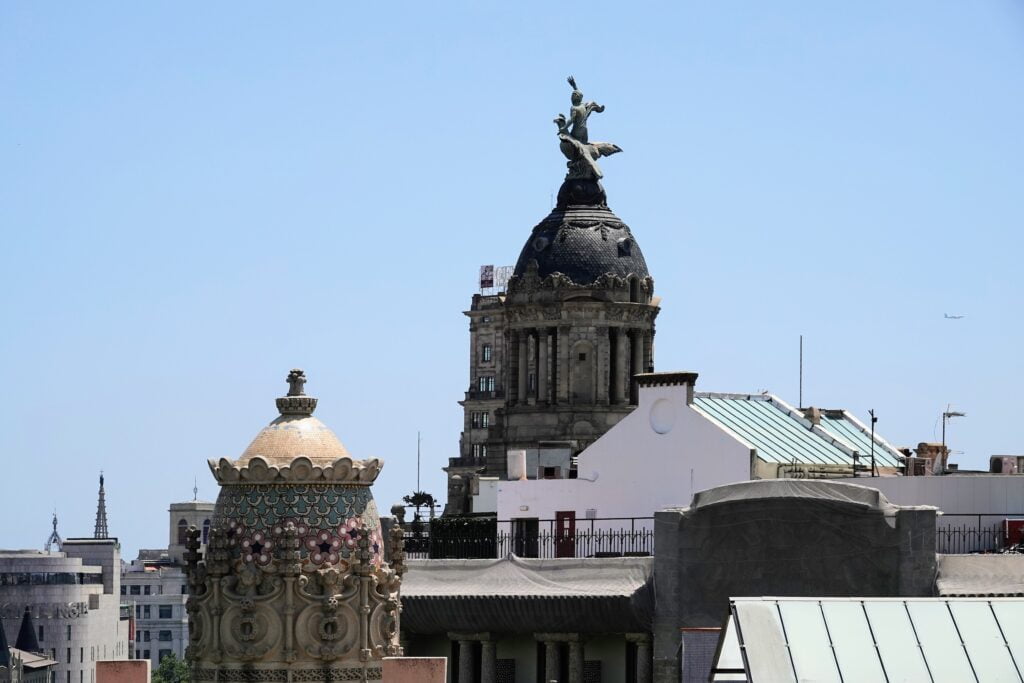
(462, 538)
(477, 395)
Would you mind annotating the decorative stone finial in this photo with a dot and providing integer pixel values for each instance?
(296, 382)
(296, 402)
(575, 140)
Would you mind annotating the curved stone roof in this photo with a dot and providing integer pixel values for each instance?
(290, 436)
(583, 240)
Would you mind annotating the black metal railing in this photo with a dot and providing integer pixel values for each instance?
(960, 533)
(542, 538)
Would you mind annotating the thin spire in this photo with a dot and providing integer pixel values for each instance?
(195, 488)
(101, 514)
(27, 641)
(54, 536)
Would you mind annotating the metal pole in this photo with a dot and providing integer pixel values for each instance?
(874, 472)
(417, 462)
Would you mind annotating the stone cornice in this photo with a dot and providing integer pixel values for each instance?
(300, 470)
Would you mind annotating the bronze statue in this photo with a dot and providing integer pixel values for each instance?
(575, 140)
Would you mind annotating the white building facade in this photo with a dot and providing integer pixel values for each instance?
(155, 588)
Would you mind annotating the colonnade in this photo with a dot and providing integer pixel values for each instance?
(621, 352)
(556, 645)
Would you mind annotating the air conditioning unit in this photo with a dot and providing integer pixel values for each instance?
(919, 467)
(1002, 464)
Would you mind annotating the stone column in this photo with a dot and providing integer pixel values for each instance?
(552, 661)
(603, 366)
(524, 347)
(467, 670)
(563, 364)
(643, 661)
(576, 661)
(648, 359)
(488, 661)
(637, 344)
(543, 393)
(619, 369)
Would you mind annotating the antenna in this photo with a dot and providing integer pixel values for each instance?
(874, 470)
(417, 462)
(195, 488)
(801, 401)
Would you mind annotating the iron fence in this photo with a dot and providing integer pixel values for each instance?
(960, 533)
(541, 538)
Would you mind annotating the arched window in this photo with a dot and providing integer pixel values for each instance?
(182, 532)
(206, 531)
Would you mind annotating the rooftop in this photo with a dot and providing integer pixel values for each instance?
(781, 434)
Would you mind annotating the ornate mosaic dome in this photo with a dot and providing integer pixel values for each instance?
(582, 239)
(293, 585)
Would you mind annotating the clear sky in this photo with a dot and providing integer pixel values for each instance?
(197, 197)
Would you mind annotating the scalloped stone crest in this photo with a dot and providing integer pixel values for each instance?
(258, 470)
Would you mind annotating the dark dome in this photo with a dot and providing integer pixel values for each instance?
(583, 240)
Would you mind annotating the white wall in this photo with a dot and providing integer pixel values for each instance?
(1000, 495)
(658, 456)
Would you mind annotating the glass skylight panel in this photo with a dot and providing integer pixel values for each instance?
(947, 659)
(809, 644)
(852, 640)
(984, 642)
(901, 656)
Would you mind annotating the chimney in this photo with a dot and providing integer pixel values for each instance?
(935, 454)
(813, 415)
(648, 380)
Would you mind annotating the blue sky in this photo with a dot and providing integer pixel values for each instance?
(197, 197)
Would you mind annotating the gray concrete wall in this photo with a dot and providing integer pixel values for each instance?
(806, 545)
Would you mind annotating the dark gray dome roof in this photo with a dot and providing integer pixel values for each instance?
(582, 241)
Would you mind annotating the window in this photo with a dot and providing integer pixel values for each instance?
(124, 589)
(165, 611)
(69, 638)
(485, 383)
(81, 655)
(583, 356)
(206, 531)
(134, 590)
(69, 655)
(184, 589)
(146, 590)
(549, 473)
(138, 613)
(146, 614)
(182, 532)
(481, 420)
(479, 450)
(485, 319)
(164, 635)
(145, 654)
(145, 636)
(485, 353)
(40, 633)
(164, 653)
(138, 654)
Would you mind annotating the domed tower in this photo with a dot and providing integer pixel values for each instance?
(293, 585)
(564, 340)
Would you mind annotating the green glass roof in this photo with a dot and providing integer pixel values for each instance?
(781, 434)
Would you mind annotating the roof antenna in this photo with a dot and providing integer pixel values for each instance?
(195, 488)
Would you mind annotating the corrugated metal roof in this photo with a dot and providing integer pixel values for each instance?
(844, 427)
(782, 435)
(873, 639)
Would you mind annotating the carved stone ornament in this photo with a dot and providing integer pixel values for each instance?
(293, 585)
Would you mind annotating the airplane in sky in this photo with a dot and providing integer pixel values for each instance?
(947, 316)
